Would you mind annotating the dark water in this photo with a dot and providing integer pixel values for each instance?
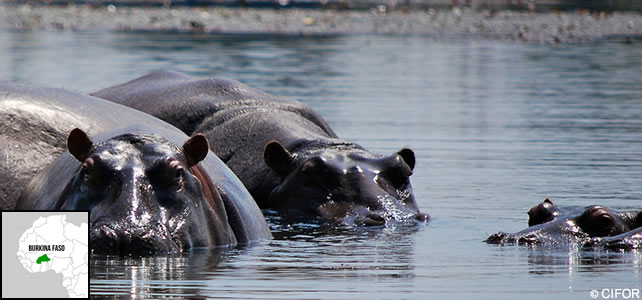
(496, 127)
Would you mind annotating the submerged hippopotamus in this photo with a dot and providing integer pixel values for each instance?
(550, 224)
(145, 193)
(286, 155)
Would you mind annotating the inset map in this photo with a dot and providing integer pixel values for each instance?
(50, 248)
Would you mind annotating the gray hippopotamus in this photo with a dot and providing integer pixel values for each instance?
(145, 193)
(550, 224)
(286, 154)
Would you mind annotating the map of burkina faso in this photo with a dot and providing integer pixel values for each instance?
(53, 244)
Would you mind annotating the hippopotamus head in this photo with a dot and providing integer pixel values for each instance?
(143, 193)
(344, 184)
(549, 223)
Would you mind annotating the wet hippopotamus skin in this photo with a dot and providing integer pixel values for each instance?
(286, 154)
(551, 224)
(149, 187)
(626, 241)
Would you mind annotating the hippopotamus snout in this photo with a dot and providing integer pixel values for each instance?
(385, 203)
(129, 220)
(380, 218)
(114, 239)
(370, 210)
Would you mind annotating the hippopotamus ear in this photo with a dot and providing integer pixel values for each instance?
(277, 157)
(408, 156)
(195, 149)
(79, 144)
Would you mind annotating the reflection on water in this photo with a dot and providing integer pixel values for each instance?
(151, 276)
(496, 128)
(301, 252)
(550, 262)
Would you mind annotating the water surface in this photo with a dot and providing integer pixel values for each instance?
(496, 128)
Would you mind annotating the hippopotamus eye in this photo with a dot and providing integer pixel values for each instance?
(179, 171)
(95, 172)
(600, 216)
(398, 175)
(89, 163)
(167, 174)
(605, 220)
(604, 225)
(314, 167)
(178, 177)
(309, 165)
(316, 172)
(597, 221)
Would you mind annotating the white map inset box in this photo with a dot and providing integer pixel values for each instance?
(54, 244)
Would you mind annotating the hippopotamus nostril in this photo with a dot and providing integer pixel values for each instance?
(108, 231)
(374, 219)
(497, 238)
(421, 217)
(104, 239)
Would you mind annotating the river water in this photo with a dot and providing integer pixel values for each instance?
(496, 128)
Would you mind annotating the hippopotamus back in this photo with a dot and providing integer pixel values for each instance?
(286, 154)
(187, 102)
(38, 122)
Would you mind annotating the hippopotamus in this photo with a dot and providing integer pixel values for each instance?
(287, 156)
(550, 224)
(145, 193)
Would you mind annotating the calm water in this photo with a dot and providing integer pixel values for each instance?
(496, 127)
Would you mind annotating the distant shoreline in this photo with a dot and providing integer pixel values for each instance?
(524, 5)
(550, 27)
